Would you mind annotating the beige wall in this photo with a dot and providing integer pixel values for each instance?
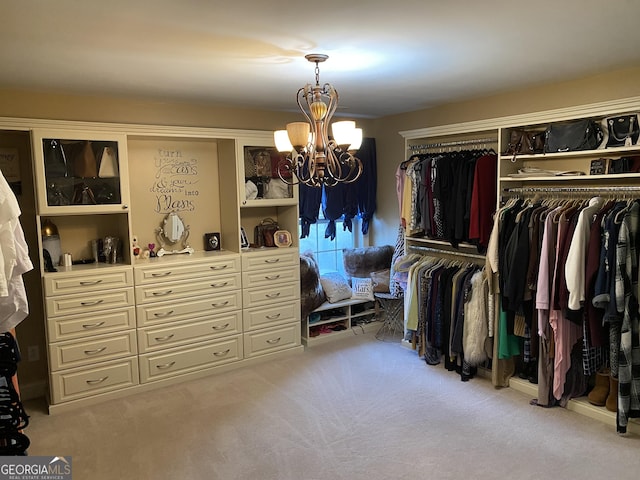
(390, 145)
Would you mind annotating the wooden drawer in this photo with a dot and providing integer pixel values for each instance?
(78, 326)
(89, 302)
(253, 297)
(85, 352)
(173, 335)
(186, 289)
(169, 271)
(197, 307)
(155, 366)
(270, 276)
(276, 257)
(83, 382)
(105, 279)
(271, 340)
(260, 317)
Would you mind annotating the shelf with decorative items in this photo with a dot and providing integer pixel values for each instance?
(80, 171)
(267, 202)
(588, 150)
(82, 198)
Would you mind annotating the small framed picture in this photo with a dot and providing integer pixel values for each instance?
(244, 240)
(598, 166)
(282, 238)
(212, 241)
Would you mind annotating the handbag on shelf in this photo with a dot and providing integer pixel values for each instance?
(55, 161)
(623, 130)
(108, 163)
(264, 232)
(624, 165)
(525, 142)
(573, 136)
(83, 195)
(82, 159)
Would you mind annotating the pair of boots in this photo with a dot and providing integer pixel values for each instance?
(605, 391)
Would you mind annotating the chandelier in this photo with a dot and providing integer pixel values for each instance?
(315, 158)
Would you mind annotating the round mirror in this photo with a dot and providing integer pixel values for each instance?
(173, 228)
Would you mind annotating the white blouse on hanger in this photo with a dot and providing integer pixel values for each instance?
(14, 261)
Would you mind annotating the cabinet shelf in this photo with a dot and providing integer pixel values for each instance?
(349, 313)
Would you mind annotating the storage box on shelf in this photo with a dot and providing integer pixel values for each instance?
(333, 320)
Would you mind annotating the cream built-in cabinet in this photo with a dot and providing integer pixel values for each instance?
(128, 323)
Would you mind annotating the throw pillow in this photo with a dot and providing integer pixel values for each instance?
(381, 280)
(335, 287)
(311, 293)
(360, 262)
(362, 288)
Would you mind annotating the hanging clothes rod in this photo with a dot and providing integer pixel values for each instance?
(474, 141)
(441, 251)
(603, 190)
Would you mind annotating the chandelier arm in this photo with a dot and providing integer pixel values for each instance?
(317, 160)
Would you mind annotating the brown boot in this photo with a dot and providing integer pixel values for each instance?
(612, 399)
(598, 396)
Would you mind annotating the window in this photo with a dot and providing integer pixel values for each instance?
(329, 252)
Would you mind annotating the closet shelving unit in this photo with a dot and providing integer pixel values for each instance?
(351, 316)
(478, 132)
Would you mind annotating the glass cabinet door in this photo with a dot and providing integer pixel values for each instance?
(261, 183)
(80, 172)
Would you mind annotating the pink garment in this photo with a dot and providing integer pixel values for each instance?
(565, 333)
(545, 269)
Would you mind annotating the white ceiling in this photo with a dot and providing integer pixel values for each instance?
(385, 56)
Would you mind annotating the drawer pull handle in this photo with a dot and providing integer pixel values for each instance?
(93, 325)
(218, 267)
(91, 304)
(165, 338)
(95, 352)
(162, 315)
(272, 295)
(95, 382)
(273, 341)
(272, 277)
(163, 274)
(162, 294)
(165, 366)
(222, 354)
(87, 283)
(272, 260)
(220, 304)
(273, 317)
(220, 327)
(218, 285)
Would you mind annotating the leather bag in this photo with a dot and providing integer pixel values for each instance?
(82, 159)
(55, 160)
(264, 232)
(573, 136)
(524, 142)
(623, 130)
(83, 195)
(108, 163)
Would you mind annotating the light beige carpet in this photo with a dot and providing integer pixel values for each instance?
(354, 409)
